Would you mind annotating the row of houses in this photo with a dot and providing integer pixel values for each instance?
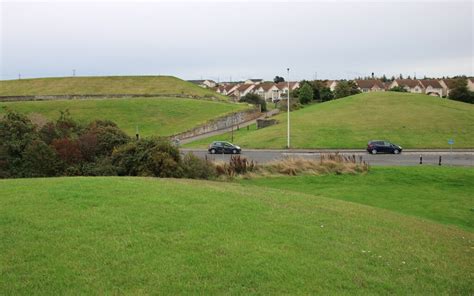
(275, 91)
(268, 90)
(432, 87)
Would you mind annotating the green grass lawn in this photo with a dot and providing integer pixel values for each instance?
(410, 120)
(153, 116)
(101, 85)
(162, 236)
(442, 194)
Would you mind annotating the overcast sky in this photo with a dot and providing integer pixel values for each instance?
(236, 40)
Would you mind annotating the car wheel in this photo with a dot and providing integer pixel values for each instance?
(234, 151)
(374, 151)
(213, 151)
(396, 151)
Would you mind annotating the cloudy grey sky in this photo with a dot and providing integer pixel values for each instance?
(219, 40)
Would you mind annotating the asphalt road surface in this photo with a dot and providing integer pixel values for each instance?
(406, 158)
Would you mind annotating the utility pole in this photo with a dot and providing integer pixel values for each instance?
(288, 109)
(73, 72)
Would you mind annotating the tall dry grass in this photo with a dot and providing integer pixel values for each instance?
(333, 163)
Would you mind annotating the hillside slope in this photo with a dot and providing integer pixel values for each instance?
(152, 116)
(104, 85)
(141, 235)
(410, 120)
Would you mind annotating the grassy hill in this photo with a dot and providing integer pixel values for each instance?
(441, 194)
(410, 120)
(143, 236)
(104, 85)
(153, 116)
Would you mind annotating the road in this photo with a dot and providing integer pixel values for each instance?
(407, 158)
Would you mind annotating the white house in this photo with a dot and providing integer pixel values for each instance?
(331, 84)
(283, 86)
(268, 91)
(432, 87)
(226, 89)
(242, 90)
(410, 85)
(370, 85)
(253, 81)
(470, 84)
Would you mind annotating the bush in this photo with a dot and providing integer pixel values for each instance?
(398, 89)
(148, 157)
(255, 100)
(460, 92)
(305, 94)
(40, 160)
(68, 150)
(197, 168)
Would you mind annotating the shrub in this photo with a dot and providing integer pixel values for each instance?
(398, 89)
(256, 100)
(305, 93)
(148, 157)
(48, 133)
(197, 168)
(68, 150)
(40, 160)
(237, 166)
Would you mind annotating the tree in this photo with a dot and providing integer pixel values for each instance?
(384, 78)
(256, 100)
(278, 79)
(40, 160)
(148, 157)
(305, 93)
(326, 94)
(460, 92)
(345, 88)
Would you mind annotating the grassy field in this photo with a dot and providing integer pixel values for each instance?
(410, 120)
(161, 236)
(442, 194)
(101, 85)
(153, 116)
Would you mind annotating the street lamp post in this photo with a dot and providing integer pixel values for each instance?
(288, 109)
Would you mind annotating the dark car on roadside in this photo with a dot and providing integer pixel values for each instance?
(381, 146)
(222, 147)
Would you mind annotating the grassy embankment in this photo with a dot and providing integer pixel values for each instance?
(105, 85)
(142, 235)
(153, 116)
(411, 120)
(442, 194)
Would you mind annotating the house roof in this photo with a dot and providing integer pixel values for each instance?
(282, 85)
(370, 83)
(244, 87)
(266, 86)
(329, 82)
(411, 83)
(450, 83)
(431, 82)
